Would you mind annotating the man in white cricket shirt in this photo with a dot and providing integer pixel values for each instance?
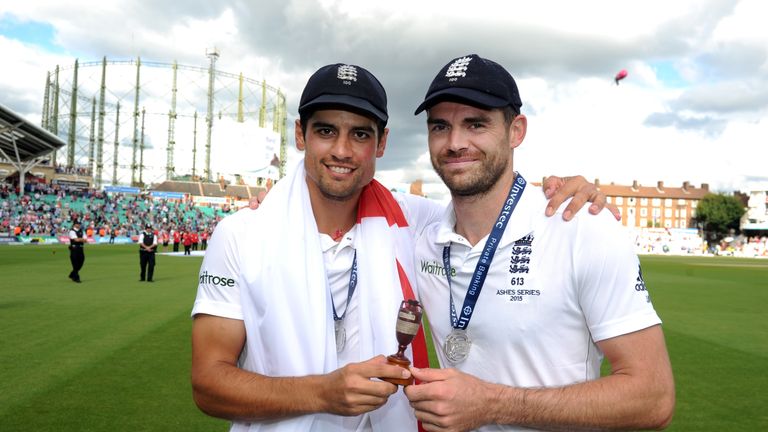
(523, 307)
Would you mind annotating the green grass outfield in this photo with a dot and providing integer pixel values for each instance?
(114, 354)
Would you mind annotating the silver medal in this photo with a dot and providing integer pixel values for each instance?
(341, 334)
(457, 346)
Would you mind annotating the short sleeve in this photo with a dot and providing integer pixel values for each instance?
(612, 292)
(218, 289)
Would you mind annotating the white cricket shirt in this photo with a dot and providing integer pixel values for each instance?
(554, 289)
(222, 278)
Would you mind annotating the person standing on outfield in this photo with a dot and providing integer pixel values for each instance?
(76, 252)
(176, 239)
(166, 239)
(297, 301)
(147, 249)
(187, 240)
(195, 240)
(523, 348)
(204, 239)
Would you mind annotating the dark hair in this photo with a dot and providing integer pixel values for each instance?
(510, 113)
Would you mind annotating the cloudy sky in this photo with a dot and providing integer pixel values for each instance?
(694, 106)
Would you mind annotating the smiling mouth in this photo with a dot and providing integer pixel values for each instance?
(458, 162)
(340, 170)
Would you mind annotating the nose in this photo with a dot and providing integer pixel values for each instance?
(455, 140)
(342, 147)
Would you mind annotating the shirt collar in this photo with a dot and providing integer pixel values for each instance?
(520, 223)
(348, 240)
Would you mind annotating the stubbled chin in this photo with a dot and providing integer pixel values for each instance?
(456, 171)
(338, 195)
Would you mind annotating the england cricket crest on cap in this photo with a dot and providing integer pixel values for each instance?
(347, 74)
(458, 68)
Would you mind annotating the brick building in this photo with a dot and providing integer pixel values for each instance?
(655, 206)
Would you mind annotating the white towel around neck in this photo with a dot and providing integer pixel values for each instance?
(286, 298)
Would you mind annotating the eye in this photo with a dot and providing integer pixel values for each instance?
(476, 125)
(324, 131)
(362, 135)
(437, 127)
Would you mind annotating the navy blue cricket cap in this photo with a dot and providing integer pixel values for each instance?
(347, 86)
(475, 81)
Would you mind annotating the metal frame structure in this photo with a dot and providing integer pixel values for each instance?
(88, 116)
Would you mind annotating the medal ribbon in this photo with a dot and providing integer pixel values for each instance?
(350, 290)
(481, 269)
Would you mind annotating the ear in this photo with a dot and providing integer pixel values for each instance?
(299, 135)
(382, 145)
(517, 130)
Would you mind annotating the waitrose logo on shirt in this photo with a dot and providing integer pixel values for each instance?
(206, 278)
(435, 268)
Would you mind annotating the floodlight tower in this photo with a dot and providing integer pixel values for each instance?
(213, 55)
(55, 126)
(100, 132)
(72, 121)
(170, 169)
(135, 146)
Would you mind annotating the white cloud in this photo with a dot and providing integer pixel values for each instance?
(23, 79)
(693, 107)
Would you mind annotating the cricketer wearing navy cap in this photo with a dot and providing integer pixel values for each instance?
(526, 307)
(345, 85)
(237, 371)
(475, 81)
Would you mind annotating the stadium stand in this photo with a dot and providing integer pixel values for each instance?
(668, 241)
(46, 211)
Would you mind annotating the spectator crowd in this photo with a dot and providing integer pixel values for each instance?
(47, 210)
(681, 241)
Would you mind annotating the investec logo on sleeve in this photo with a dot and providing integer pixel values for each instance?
(206, 278)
